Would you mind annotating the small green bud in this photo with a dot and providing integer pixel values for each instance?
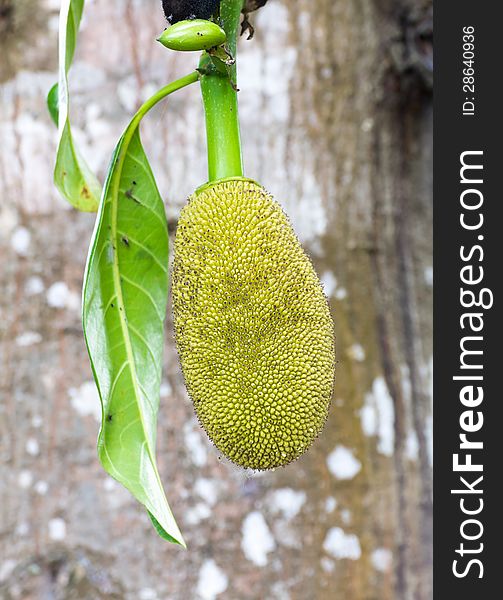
(196, 34)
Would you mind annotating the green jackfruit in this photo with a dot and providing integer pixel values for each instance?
(252, 326)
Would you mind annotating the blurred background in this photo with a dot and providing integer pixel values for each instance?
(336, 112)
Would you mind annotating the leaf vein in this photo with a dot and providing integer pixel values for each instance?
(143, 247)
(128, 426)
(116, 378)
(145, 293)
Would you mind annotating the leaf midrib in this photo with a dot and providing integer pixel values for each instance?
(119, 292)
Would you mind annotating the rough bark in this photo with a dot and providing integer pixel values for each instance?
(336, 122)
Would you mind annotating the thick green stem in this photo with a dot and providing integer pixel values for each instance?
(218, 87)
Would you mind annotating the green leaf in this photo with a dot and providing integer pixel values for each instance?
(125, 297)
(124, 305)
(53, 103)
(162, 533)
(72, 176)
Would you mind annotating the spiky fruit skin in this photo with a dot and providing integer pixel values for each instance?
(252, 326)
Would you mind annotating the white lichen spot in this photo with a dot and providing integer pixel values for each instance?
(342, 463)
(73, 301)
(49, 381)
(86, 400)
(28, 338)
(147, 594)
(286, 534)
(288, 502)
(308, 213)
(356, 352)
(411, 446)
(36, 421)
(53, 23)
(57, 529)
(429, 438)
(257, 540)
(342, 545)
(330, 504)
(195, 445)
(33, 286)
(196, 514)
(41, 487)
(212, 580)
(32, 447)
(127, 93)
(346, 516)
(428, 276)
(368, 418)
(327, 564)
(280, 589)
(23, 529)
(57, 295)
(377, 416)
(381, 559)
(60, 296)
(6, 569)
(24, 479)
(207, 489)
(20, 241)
(8, 220)
(341, 293)
(367, 124)
(165, 389)
(109, 484)
(93, 111)
(329, 282)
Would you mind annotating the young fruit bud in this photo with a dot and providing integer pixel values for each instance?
(188, 36)
(252, 324)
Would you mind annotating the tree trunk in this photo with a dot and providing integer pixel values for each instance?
(336, 116)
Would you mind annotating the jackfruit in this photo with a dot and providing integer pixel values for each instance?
(252, 326)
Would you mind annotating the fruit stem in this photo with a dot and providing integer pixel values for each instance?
(218, 87)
